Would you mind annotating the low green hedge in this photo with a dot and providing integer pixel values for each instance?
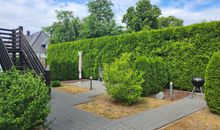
(154, 72)
(24, 101)
(55, 83)
(212, 83)
(186, 50)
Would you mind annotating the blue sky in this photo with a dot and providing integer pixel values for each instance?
(34, 14)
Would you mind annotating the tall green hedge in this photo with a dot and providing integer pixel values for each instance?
(186, 50)
(154, 73)
(212, 84)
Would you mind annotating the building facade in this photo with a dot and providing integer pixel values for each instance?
(39, 41)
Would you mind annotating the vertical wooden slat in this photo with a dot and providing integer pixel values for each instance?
(4, 57)
(21, 56)
(14, 47)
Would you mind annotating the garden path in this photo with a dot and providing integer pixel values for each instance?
(65, 117)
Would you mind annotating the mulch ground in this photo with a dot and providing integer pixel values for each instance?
(177, 94)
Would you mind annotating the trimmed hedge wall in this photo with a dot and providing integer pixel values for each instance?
(186, 50)
(212, 84)
(154, 73)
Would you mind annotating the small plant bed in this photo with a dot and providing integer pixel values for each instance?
(104, 106)
(72, 89)
(177, 94)
(202, 120)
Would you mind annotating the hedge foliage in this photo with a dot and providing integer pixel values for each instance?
(24, 101)
(154, 73)
(122, 82)
(186, 50)
(55, 83)
(212, 84)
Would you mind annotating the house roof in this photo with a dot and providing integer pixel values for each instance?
(38, 41)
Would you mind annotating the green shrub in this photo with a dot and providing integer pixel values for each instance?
(123, 84)
(155, 74)
(24, 101)
(212, 83)
(181, 48)
(55, 83)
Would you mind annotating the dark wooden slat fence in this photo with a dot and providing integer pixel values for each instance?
(16, 51)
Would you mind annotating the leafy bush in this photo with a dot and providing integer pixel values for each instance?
(181, 48)
(122, 83)
(212, 83)
(55, 83)
(154, 74)
(24, 101)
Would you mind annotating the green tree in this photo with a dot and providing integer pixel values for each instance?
(101, 21)
(66, 28)
(101, 9)
(169, 21)
(143, 16)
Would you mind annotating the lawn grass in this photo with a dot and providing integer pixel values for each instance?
(104, 106)
(72, 89)
(201, 120)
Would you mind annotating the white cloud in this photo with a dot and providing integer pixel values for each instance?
(79, 10)
(121, 7)
(34, 14)
(190, 15)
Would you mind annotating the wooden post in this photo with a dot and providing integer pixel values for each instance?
(14, 47)
(21, 56)
(21, 28)
(47, 78)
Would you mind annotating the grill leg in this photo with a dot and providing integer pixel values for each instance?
(193, 92)
(201, 90)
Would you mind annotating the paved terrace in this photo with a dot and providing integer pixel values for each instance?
(65, 117)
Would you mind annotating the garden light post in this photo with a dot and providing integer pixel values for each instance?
(90, 82)
(47, 75)
(171, 90)
(80, 65)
